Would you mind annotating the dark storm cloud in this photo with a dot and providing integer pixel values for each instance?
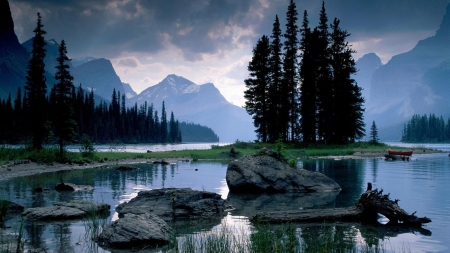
(106, 28)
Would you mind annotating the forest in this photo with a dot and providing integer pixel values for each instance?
(68, 114)
(302, 90)
(426, 129)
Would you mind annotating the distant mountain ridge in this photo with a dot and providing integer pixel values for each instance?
(412, 83)
(202, 104)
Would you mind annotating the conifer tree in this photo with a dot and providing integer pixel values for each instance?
(164, 130)
(289, 89)
(37, 88)
(257, 87)
(347, 111)
(374, 133)
(64, 119)
(324, 81)
(275, 82)
(308, 79)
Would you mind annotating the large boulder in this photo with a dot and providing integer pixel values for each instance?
(267, 174)
(66, 211)
(174, 203)
(134, 231)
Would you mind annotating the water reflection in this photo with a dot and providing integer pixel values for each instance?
(421, 184)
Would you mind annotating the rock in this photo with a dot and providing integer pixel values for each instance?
(72, 187)
(174, 203)
(9, 210)
(127, 168)
(134, 231)
(266, 174)
(66, 211)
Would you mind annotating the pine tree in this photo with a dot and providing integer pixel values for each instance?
(164, 130)
(324, 81)
(308, 73)
(65, 123)
(275, 82)
(37, 88)
(347, 110)
(289, 89)
(257, 87)
(374, 133)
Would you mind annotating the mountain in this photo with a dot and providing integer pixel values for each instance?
(13, 56)
(201, 104)
(51, 54)
(78, 62)
(129, 92)
(98, 74)
(408, 84)
(366, 66)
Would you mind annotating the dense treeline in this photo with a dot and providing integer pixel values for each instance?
(66, 114)
(426, 129)
(192, 132)
(307, 96)
(103, 123)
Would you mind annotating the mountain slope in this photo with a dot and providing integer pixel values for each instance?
(401, 88)
(366, 66)
(201, 104)
(13, 56)
(99, 75)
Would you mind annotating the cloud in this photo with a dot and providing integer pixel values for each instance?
(131, 62)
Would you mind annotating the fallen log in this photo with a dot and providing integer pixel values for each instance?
(370, 204)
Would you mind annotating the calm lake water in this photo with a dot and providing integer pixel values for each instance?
(422, 185)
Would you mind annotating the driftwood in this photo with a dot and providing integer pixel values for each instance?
(396, 157)
(371, 203)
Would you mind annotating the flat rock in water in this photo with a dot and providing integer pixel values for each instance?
(66, 211)
(267, 174)
(175, 203)
(134, 231)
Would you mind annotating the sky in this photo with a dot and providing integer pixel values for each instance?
(212, 40)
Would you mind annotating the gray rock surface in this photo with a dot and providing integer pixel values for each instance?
(175, 203)
(66, 211)
(266, 174)
(134, 231)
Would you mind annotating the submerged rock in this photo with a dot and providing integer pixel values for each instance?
(174, 203)
(134, 231)
(267, 174)
(127, 168)
(72, 187)
(66, 211)
(9, 210)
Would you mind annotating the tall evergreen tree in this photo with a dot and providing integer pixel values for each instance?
(164, 129)
(324, 81)
(347, 100)
(257, 87)
(275, 82)
(36, 88)
(289, 89)
(64, 120)
(308, 79)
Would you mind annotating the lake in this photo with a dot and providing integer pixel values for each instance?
(421, 184)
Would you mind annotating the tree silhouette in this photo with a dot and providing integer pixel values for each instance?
(64, 112)
(374, 133)
(36, 88)
(257, 86)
